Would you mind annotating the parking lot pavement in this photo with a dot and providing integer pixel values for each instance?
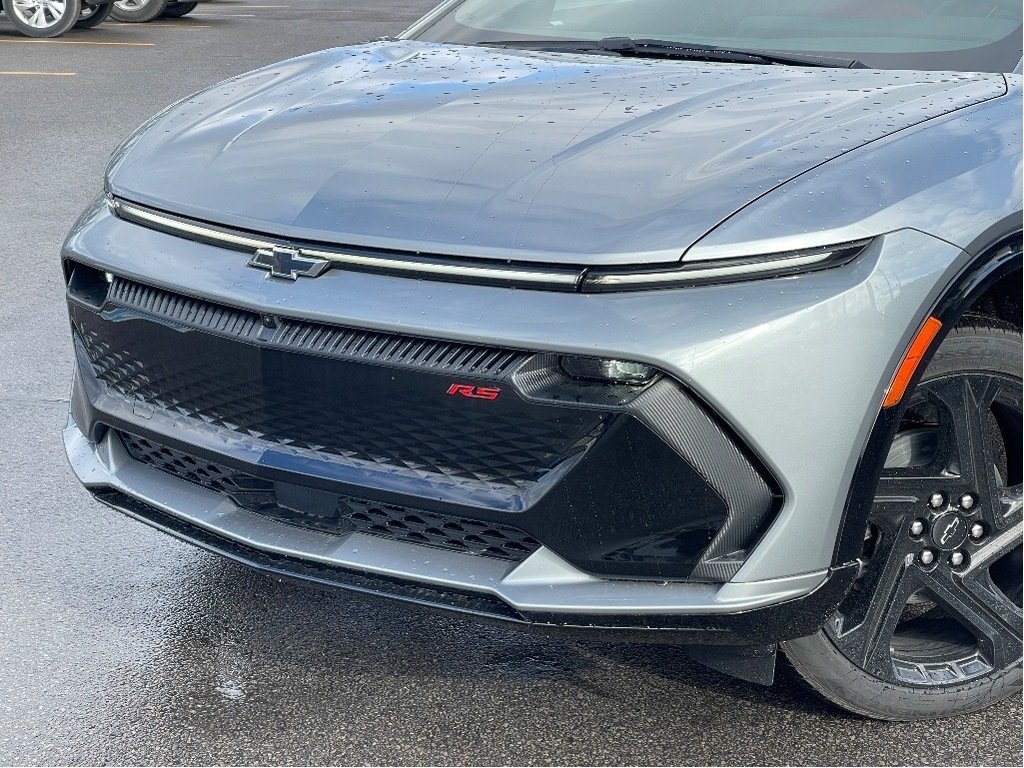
(121, 645)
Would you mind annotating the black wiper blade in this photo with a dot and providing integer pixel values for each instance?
(669, 49)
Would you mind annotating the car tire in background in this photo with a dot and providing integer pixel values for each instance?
(138, 11)
(93, 16)
(933, 625)
(177, 10)
(43, 18)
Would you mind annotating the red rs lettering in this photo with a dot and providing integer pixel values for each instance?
(474, 392)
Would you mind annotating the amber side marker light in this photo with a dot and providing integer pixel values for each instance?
(911, 360)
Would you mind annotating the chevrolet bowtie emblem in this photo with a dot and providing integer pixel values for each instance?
(288, 263)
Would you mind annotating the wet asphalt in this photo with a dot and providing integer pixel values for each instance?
(120, 645)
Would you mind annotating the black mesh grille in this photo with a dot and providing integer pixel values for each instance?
(217, 477)
(337, 411)
(458, 534)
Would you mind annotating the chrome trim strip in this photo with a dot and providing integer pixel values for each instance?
(560, 278)
(452, 270)
(139, 214)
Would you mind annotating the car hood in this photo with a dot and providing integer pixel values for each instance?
(533, 156)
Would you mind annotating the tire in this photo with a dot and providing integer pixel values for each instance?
(93, 16)
(177, 10)
(138, 11)
(37, 19)
(923, 637)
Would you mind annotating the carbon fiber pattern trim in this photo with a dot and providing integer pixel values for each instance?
(696, 437)
(316, 338)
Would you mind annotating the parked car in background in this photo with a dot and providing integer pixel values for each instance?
(146, 10)
(94, 15)
(51, 18)
(669, 319)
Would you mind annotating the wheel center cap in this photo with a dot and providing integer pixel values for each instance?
(948, 531)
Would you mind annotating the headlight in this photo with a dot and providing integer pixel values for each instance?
(608, 371)
(722, 270)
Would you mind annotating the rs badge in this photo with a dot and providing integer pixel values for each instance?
(474, 392)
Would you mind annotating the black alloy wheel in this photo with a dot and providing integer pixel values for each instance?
(933, 624)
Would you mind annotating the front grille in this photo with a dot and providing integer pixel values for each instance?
(450, 532)
(327, 400)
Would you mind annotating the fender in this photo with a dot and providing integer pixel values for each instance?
(1000, 255)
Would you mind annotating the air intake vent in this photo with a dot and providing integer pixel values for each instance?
(315, 338)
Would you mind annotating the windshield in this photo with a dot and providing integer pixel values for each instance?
(955, 35)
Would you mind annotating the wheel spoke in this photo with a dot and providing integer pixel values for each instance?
(973, 600)
(1008, 508)
(964, 403)
(865, 628)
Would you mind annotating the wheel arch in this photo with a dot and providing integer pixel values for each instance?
(988, 286)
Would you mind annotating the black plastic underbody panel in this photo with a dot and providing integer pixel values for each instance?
(340, 414)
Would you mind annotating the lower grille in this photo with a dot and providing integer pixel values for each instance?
(450, 532)
(459, 534)
(238, 485)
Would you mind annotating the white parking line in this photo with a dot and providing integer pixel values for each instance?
(39, 74)
(162, 25)
(71, 42)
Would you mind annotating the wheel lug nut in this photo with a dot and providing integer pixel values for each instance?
(927, 557)
(917, 528)
(977, 531)
(956, 559)
(937, 500)
(967, 501)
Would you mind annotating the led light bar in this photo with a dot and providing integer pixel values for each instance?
(722, 270)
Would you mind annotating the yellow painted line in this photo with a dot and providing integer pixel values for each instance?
(41, 74)
(30, 41)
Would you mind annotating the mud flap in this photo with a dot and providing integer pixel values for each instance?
(753, 663)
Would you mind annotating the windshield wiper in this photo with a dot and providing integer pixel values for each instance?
(669, 49)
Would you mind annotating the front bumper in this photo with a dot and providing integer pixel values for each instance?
(543, 591)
